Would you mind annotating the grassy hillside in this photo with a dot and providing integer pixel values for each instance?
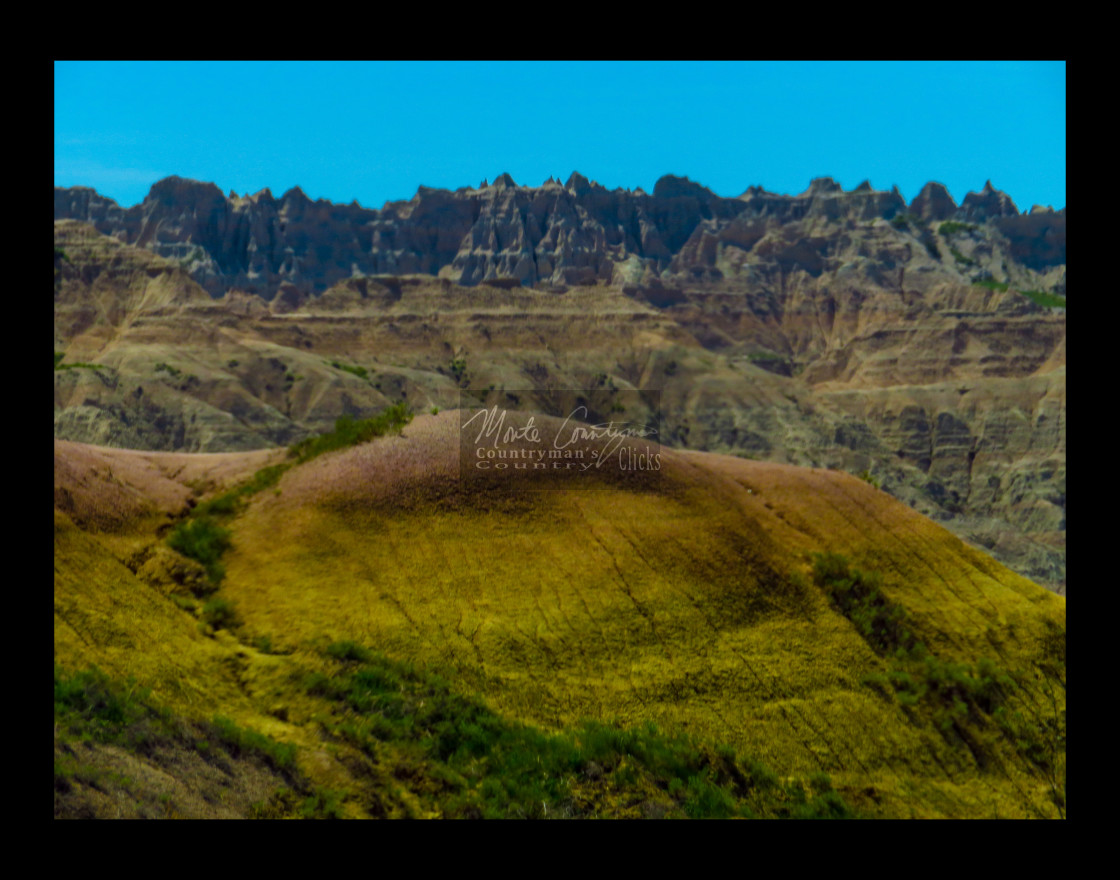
(913, 677)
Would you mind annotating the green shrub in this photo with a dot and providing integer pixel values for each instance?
(360, 372)
(952, 227)
(220, 614)
(858, 596)
(324, 803)
(162, 367)
(202, 539)
(350, 432)
(489, 766)
(90, 698)
(230, 502)
(992, 284)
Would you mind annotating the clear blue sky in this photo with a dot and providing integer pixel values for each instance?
(375, 131)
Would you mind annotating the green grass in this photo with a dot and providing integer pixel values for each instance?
(59, 365)
(1046, 300)
(360, 372)
(349, 431)
(202, 537)
(488, 766)
(766, 357)
(240, 740)
(89, 706)
(952, 227)
(964, 702)
(1039, 297)
(961, 258)
(231, 502)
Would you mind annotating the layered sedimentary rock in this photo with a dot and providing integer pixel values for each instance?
(923, 344)
(577, 232)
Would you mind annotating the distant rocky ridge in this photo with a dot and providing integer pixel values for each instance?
(572, 233)
(920, 344)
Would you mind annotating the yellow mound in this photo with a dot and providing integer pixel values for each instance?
(690, 606)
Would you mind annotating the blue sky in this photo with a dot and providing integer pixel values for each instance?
(375, 131)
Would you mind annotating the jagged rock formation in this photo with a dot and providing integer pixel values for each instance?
(830, 329)
(572, 233)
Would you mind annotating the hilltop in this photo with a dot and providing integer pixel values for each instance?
(927, 354)
(354, 578)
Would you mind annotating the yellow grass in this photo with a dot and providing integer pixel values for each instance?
(688, 606)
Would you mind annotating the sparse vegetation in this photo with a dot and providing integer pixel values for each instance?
(90, 707)
(202, 539)
(858, 596)
(282, 756)
(959, 699)
(490, 767)
(764, 357)
(59, 365)
(868, 478)
(1039, 297)
(220, 614)
(360, 372)
(961, 258)
(1046, 300)
(458, 368)
(229, 503)
(162, 367)
(952, 227)
(349, 431)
